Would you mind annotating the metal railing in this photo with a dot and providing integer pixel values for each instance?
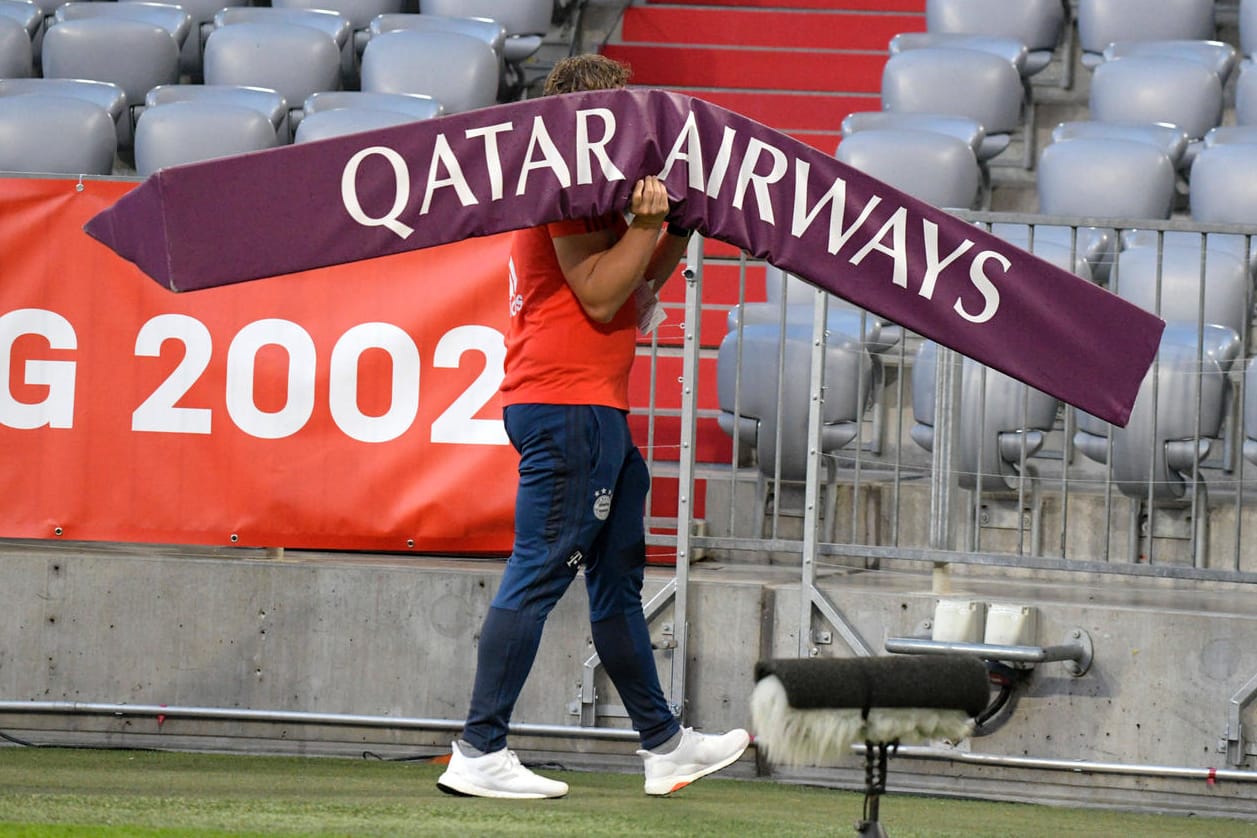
(1050, 506)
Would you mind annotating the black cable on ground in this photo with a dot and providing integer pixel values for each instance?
(16, 741)
(444, 756)
(410, 758)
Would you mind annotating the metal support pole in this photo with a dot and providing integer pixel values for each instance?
(809, 595)
(693, 274)
(943, 484)
(812, 492)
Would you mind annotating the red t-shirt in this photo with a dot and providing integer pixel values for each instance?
(555, 353)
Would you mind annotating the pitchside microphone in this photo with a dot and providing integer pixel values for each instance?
(810, 710)
(941, 682)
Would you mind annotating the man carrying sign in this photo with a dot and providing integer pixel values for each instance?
(578, 289)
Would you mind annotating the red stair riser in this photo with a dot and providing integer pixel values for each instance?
(917, 6)
(751, 69)
(765, 27)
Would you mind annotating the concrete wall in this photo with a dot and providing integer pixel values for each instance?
(387, 636)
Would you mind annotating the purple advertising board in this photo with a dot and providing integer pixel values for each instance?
(518, 165)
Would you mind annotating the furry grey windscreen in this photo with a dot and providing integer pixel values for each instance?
(953, 682)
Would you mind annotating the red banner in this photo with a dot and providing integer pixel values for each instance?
(352, 407)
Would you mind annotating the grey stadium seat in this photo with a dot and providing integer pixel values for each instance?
(841, 317)
(1177, 91)
(1035, 23)
(1217, 56)
(1205, 303)
(936, 168)
(1170, 139)
(1220, 193)
(134, 55)
(101, 93)
(1105, 178)
(202, 14)
(1248, 27)
(334, 24)
(969, 131)
(17, 54)
(55, 135)
(1058, 245)
(337, 122)
(191, 131)
(459, 71)
(1162, 444)
(267, 102)
(879, 335)
(1010, 49)
(176, 19)
(1230, 134)
(46, 8)
(169, 17)
(526, 23)
(1174, 291)
(969, 83)
(1222, 184)
(335, 113)
(25, 13)
(1002, 421)
(414, 105)
(359, 13)
(1101, 22)
(1246, 95)
(749, 399)
(489, 31)
(960, 127)
(791, 300)
(288, 58)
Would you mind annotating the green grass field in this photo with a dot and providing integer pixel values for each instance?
(54, 793)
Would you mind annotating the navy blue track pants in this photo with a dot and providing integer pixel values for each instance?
(581, 501)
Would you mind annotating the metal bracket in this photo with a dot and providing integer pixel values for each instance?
(1233, 739)
(1078, 666)
(667, 638)
(1076, 650)
(586, 704)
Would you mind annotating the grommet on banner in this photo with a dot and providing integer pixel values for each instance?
(78, 187)
(234, 538)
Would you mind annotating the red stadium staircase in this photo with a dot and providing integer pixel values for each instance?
(799, 66)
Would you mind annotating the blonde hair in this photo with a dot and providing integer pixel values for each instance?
(586, 72)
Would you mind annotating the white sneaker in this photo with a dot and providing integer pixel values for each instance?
(498, 774)
(697, 755)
